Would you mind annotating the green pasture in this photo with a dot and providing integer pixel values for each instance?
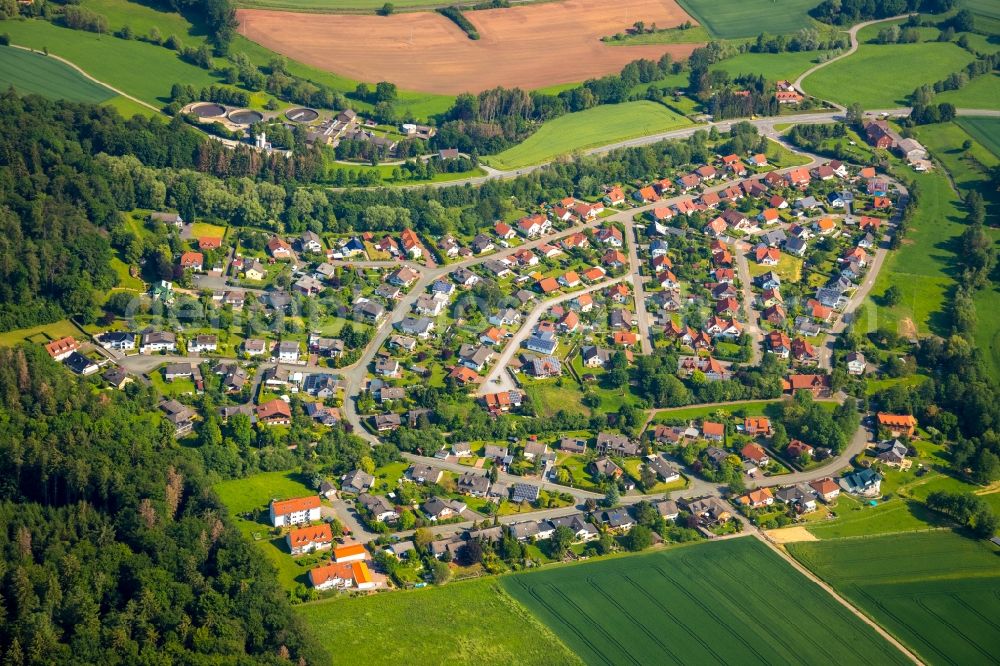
(35, 73)
(937, 592)
(749, 18)
(856, 518)
(922, 267)
(41, 334)
(724, 602)
(774, 66)
(462, 622)
(598, 126)
(695, 34)
(982, 92)
(881, 76)
(256, 492)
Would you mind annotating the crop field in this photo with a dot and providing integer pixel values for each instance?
(937, 592)
(529, 46)
(344, 6)
(985, 130)
(749, 18)
(462, 622)
(35, 73)
(880, 76)
(724, 602)
(586, 129)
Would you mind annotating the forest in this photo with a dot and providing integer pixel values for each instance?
(115, 550)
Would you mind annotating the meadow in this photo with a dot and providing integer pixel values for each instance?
(462, 622)
(598, 126)
(937, 592)
(982, 92)
(773, 66)
(855, 519)
(724, 602)
(749, 18)
(35, 73)
(881, 76)
(41, 334)
(255, 492)
(922, 268)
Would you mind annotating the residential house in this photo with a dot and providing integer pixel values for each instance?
(157, 341)
(274, 412)
(309, 539)
(865, 482)
(295, 511)
(898, 425)
(380, 508)
(826, 489)
(357, 481)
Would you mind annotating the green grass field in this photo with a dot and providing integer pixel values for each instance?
(34, 73)
(855, 519)
(598, 126)
(751, 17)
(880, 76)
(983, 92)
(45, 332)
(674, 36)
(256, 492)
(984, 129)
(460, 623)
(970, 171)
(725, 602)
(922, 267)
(937, 592)
(773, 66)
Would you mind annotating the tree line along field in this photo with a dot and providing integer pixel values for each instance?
(598, 126)
(749, 18)
(463, 622)
(937, 592)
(732, 602)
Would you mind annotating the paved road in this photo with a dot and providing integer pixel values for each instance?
(751, 317)
(498, 379)
(853, 33)
(638, 280)
(504, 477)
(858, 442)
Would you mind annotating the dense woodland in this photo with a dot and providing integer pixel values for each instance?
(114, 549)
(848, 12)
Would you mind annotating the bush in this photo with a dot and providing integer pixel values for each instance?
(456, 15)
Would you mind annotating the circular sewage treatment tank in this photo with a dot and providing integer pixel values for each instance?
(246, 117)
(302, 115)
(208, 110)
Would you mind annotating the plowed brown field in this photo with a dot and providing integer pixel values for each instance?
(529, 46)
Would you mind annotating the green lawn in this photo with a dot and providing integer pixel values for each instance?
(34, 73)
(53, 331)
(724, 602)
(773, 66)
(982, 92)
(750, 17)
(970, 171)
(256, 492)
(856, 519)
(937, 592)
(880, 76)
(587, 129)
(752, 408)
(549, 398)
(922, 267)
(460, 623)
(204, 229)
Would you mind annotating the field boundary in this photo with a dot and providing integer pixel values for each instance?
(798, 566)
(86, 75)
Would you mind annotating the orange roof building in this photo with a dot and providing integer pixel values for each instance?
(897, 424)
(209, 243)
(308, 539)
(274, 412)
(295, 511)
(62, 348)
(351, 552)
(713, 430)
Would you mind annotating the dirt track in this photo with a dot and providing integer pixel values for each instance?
(530, 46)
